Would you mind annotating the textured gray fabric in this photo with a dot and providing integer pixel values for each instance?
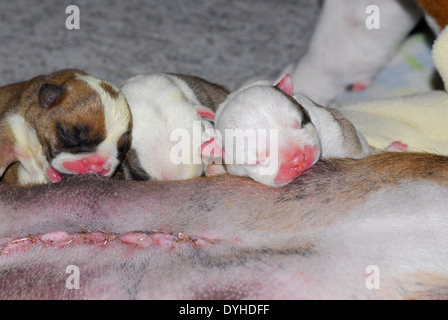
(225, 41)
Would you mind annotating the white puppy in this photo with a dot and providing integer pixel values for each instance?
(349, 48)
(170, 114)
(272, 137)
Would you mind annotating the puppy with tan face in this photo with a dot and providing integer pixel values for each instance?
(67, 122)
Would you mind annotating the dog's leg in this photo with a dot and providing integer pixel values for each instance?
(436, 13)
(344, 52)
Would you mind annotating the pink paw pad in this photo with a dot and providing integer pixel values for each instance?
(397, 146)
(211, 149)
(358, 86)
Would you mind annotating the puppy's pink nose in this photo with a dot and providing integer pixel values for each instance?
(295, 162)
(91, 164)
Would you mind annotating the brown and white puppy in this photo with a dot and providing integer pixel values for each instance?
(171, 113)
(67, 122)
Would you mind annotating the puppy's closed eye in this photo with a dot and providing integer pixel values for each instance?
(76, 138)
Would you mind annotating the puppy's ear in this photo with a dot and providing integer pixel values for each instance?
(205, 112)
(285, 85)
(49, 95)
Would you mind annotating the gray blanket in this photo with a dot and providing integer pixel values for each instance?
(225, 41)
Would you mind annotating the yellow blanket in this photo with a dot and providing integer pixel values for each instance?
(418, 120)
